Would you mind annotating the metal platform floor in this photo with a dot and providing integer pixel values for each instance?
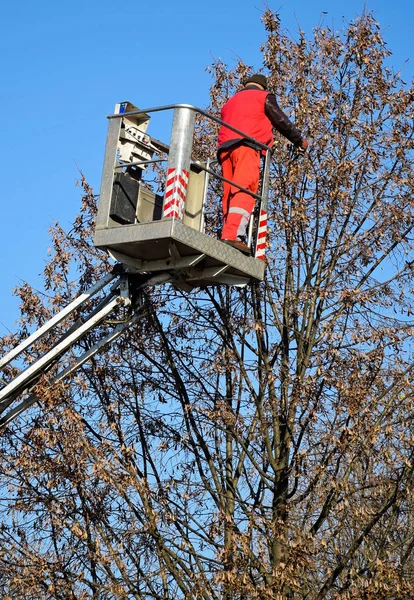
(191, 257)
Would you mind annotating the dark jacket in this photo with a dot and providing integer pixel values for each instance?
(255, 112)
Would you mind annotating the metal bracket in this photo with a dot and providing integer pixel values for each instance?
(149, 266)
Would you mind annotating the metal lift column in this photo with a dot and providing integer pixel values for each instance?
(179, 161)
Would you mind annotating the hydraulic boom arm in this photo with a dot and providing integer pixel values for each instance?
(124, 291)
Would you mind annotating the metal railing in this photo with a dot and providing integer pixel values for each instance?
(179, 159)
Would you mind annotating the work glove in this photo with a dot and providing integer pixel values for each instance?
(302, 146)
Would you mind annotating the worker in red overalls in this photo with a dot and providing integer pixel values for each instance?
(254, 111)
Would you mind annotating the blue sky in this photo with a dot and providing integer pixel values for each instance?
(65, 64)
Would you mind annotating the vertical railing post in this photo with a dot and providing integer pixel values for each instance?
(179, 160)
(260, 250)
(205, 190)
(112, 141)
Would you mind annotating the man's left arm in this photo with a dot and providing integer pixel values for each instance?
(281, 122)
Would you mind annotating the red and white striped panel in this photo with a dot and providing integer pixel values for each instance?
(175, 192)
(261, 236)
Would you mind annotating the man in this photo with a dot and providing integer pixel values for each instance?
(255, 112)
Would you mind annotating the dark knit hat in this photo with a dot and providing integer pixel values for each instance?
(257, 78)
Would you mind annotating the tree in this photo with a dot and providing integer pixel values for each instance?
(250, 443)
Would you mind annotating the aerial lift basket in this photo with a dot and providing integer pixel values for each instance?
(153, 233)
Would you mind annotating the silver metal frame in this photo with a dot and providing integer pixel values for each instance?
(109, 235)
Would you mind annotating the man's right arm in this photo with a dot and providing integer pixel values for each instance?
(281, 122)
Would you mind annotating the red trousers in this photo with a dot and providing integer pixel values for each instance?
(241, 165)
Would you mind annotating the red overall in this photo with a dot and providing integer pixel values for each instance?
(241, 165)
(240, 162)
